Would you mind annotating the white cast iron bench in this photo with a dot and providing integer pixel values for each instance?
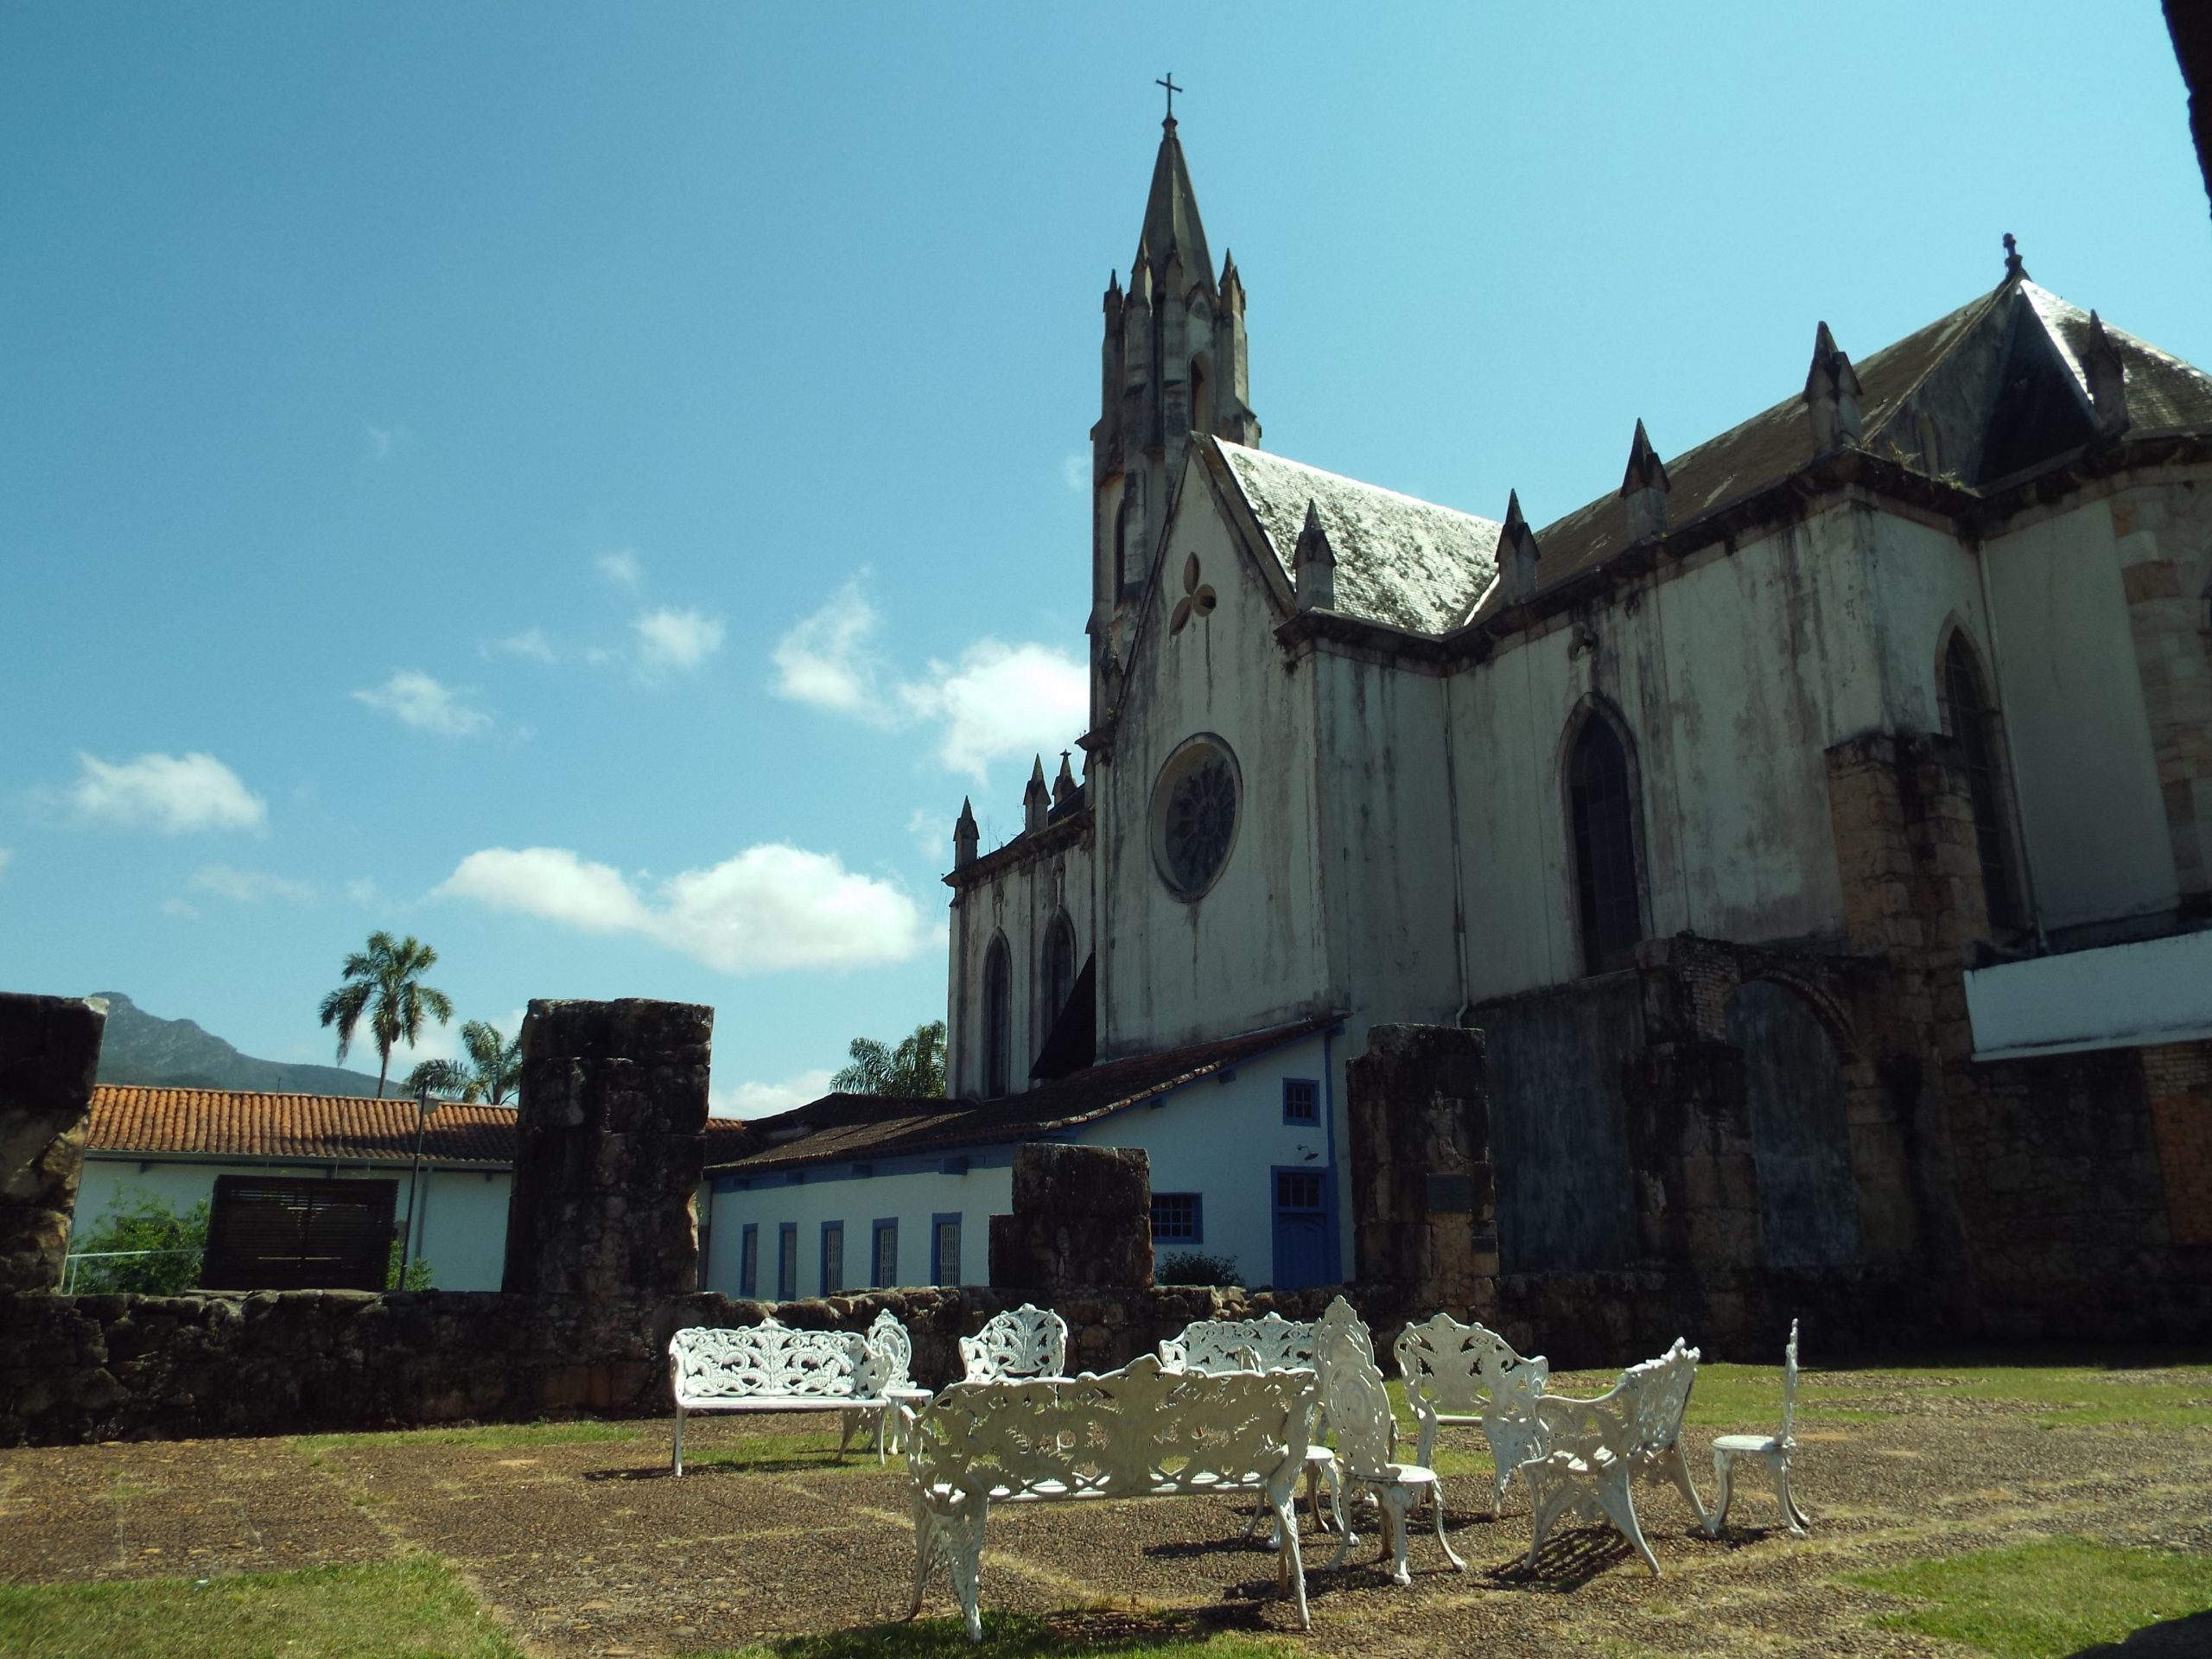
(1597, 1450)
(1028, 1342)
(1272, 1344)
(1140, 1431)
(771, 1367)
(1459, 1374)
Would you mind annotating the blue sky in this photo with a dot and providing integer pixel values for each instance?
(594, 487)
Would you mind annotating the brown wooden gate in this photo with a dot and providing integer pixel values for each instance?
(279, 1233)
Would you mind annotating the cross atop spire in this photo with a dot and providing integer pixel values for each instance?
(2014, 265)
(1169, 83)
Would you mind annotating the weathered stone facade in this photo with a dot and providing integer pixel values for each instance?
(1082, 1217)
(49, 1051)
(608, 1153)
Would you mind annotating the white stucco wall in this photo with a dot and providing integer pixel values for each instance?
(460, 1217)
(1018, 903)
(1251, 951)
(910, 1191)
(2072, 701)
(1220, 1140)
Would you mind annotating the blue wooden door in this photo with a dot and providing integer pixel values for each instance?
(1305, 1228)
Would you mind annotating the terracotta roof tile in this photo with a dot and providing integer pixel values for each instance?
(243, 1124)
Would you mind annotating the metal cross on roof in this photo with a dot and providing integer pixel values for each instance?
(1172, 90)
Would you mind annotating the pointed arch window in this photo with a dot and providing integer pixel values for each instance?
(1057, 970)
(1601, 813)
(998, 1019)
(1970, 720)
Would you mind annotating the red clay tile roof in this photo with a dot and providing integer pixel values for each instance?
(241, 1123)
(870, 1126)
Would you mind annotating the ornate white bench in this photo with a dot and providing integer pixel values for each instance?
(1598, 1449)
(1029, 1342)
(1458, 1373)
(771, 1367)
(1272, 1344)
(1140, 1431)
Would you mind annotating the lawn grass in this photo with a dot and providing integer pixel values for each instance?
(583, 1432)
(413, 1608)
(1167, 1635)
(2044, 1599)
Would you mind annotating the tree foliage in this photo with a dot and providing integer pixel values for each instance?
(493, 1071)
(138, 1220)
(386, 982)
(914, 1071)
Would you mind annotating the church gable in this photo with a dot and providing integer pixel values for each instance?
(1404, 563)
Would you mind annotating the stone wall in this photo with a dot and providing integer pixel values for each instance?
(49, 1050)
(1082, 1216)
(609, 1151)
(76, 1369)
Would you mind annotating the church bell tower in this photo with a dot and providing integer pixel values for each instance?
(1173, 366)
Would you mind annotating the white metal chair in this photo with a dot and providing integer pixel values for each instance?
(1358, 1406)
(1771, 1450)
(1458, 1374)
(1028, 1342)
(894, 1357)
(1598, 1449)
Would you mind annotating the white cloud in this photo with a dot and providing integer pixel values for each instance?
(364, 892)
(384, 441)
(172, 793)
(761, 1099)
(771, 907)
(251, 887)
(413, 698)
(531, 643)
(998, 701)
(621, 567)
(676, 639)
(931, 831)
(182, 911)
(1003, 702)
(1075, 472)
(828, 662)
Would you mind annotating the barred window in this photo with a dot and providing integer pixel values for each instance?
(1176, 1217)
(1301, 1100)
(944, 1249)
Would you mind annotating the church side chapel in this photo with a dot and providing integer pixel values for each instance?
(1816, 829)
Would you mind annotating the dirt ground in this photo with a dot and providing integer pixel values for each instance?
(593, 1549)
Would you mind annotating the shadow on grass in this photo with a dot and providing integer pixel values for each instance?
(729, 1463)
(2189, 1638)
(1218, 1632)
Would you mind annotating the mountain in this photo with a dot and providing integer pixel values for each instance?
(142, 1047)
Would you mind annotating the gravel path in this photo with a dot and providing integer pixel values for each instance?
(589, 1549)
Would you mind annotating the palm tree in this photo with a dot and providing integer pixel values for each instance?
(914, 1071)
(493, 1071)
(385, 981)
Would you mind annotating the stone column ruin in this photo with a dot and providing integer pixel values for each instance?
(50, 1053)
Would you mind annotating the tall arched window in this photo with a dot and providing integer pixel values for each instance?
(1968, 718)
(1601, 811)
(998, 1019)
(1056, 971)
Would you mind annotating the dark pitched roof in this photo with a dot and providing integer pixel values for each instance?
(1994, 387)
(839, 1126)
(244, 1123)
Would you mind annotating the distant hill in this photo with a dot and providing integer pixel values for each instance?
(142, 1047)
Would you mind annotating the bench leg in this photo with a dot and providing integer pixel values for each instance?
(1724, 1477)
(956, 1539)
(1791, 1512)
(1290, 1565)
(678, 1456)
(1436, 1502)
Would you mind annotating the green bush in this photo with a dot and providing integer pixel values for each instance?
(137, 1219)
(418, 1272)
(1196, 1268)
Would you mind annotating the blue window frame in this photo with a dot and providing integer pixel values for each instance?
(883, 1255)
(833, 1257)
(1301, 1100)
(748, 1260)
(944, 1248)
(787, 1261)
(1177, 1218)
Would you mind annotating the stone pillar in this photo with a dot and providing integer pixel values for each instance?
(1424, 1198)
(609, 1146)
(2156, 534)
(1082, 1217)
(49, 1051)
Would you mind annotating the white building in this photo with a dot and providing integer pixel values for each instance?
(1357, 759)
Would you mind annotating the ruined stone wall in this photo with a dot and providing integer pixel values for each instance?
(49, 1051)
(1082, 1216)
(76, 1369)
(2178, 1078)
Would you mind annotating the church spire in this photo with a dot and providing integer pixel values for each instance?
(1174, 373)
